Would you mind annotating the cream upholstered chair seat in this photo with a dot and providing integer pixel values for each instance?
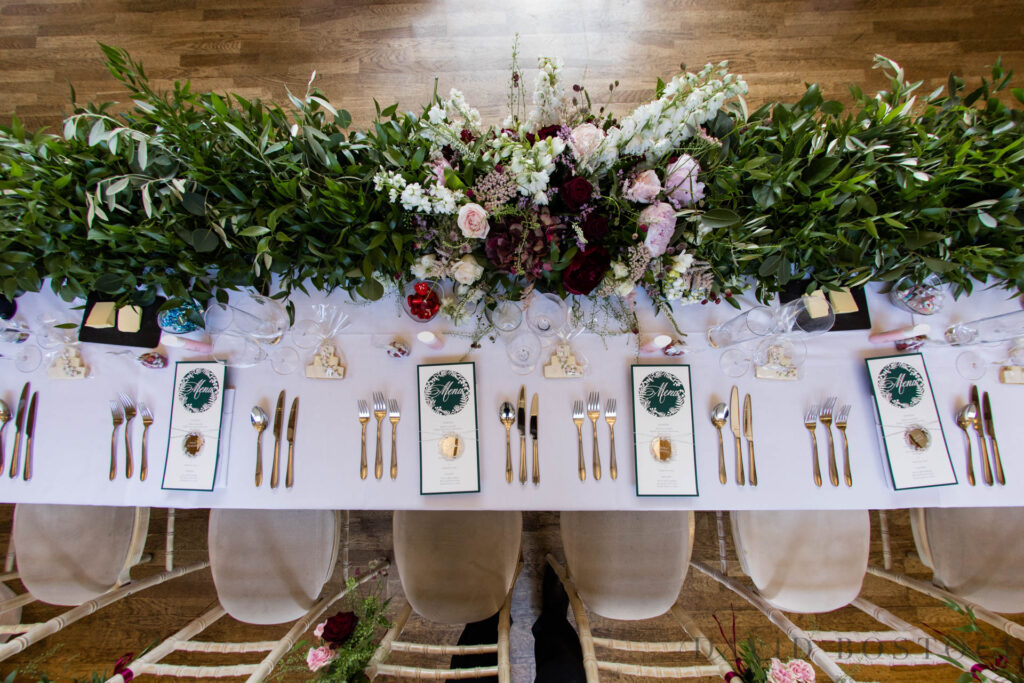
(68, 554)
(628, 565)
(269, 566)
(457, 567)
(975, 553)
(809, 561)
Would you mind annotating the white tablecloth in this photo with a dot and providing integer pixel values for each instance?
(73, 426)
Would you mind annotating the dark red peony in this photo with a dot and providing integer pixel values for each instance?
(595, 227)
(512, 248)
(549, 131)
(586, 270)
(576, 192)
(339, 628)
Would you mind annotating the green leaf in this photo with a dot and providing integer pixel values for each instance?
(109, 283)
(370, 289)
(194, 203)
(204, 240)
(819, 169)
(764, 196)
(987, 220)
(938, 265)
(254, 231)
(719, 218)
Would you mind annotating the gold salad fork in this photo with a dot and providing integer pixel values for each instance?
(147, 419)
(577, 419)
(117, 413)
(129, 415)
(364, 418)
(380, 411)
(844, 413)
(609, 417)
(594, 413)
(826, 419)
(811, 422)
(394, 415)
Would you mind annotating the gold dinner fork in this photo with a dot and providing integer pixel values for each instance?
(826, 419)
(364, 418)
(394, 415)
(594, 413)
(577, 419)
(129, 415)
(844, 413)
(609, 417)
(117, 413)
(811, 422)
(147, 419)
(380, 411)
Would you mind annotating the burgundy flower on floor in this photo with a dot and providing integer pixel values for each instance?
(576, 192)
(339, 628)
(121, 667)
(595, 227)
(586, 270)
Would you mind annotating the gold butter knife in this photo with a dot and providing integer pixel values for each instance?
(748, 432)
(275, 470)
(289, 477)
(30, 428)
(734, 423)
(992, 435)
(986, 466)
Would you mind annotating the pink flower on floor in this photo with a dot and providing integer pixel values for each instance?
(319, 658)
(319, 630)
(660, 223)
(802, 671)
(644, 188)
(780, 673)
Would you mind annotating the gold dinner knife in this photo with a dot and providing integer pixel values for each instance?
(19, 421)
(30, 428)
(734, 419)
(289, 477)
(521, 424)
(995, 444)
(533, 435)
(275, 470)
(748, 431)
(986, 466)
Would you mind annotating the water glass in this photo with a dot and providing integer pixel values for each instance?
(757, 322)
(997, 328)
(546, 315)
(505, 317)
(523, 352)
(798, 316)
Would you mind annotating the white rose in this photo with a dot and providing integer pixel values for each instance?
(682, 263)
(619, 270)
(625, 288)
(466, 270)
(424, 267)
(586, 138)
(473, 221)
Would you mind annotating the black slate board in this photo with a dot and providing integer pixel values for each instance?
(147, 337)
(858, 320)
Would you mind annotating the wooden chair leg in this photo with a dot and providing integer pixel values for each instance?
(582, 622)
(169, 544)
(883, 528)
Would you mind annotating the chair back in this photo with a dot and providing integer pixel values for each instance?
(269, 566)
(807, 561)
(628, 565)
(457, 567)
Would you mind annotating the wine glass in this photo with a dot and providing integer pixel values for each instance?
(546, 315)
(781, 354)
(505, 317)
(26, 357)
(756, 322)
(735, 361)
(807, 315)
(523, 352)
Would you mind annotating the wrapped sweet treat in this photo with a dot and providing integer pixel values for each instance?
(152, 360)
(397, 348)
(675, 348)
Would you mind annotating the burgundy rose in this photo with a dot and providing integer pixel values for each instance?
(576, 192)
(466, 136)
(549, 131)
(339, 628)
(586, 270)
(595, 227)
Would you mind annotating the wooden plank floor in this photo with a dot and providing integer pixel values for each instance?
(392, 51)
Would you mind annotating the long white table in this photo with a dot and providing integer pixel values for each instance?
(73, 425)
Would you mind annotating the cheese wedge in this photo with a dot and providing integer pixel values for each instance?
(102, 315)
(842, 301)
(816, 304)
(129, 319)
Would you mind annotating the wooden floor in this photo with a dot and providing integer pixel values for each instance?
(392, 51)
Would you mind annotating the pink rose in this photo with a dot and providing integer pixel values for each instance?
(644, 188)
(437, 167)
(779, 673)
(473, 221)
(681, 182)
(319, 630)
(319, 658)
(802, 671)
(585, 140)
(660, 221)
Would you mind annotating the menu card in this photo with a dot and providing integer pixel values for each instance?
(194, 442)
(915, 445)
(663, 431)
(449, 456)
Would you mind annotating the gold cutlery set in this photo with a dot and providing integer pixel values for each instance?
(593, 412)
(122, 411)
(731, 413)
(509, 415)
(978, 414)
(381, 409)
(259, 422)
(22, 424)
(826, 415)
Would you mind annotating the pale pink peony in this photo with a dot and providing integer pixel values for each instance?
(319, 658)
(780, 673)
(319, 630)
(437, 167)
(473, 221)
(644, 188)
(801, 670)
(681, 182)
(660, 221)
(585, 140)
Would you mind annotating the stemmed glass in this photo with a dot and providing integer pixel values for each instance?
(546, 315)
(505, 317)
(808, 316)
(757, 322)
(523, 352)
(249, 331)
(26, 357)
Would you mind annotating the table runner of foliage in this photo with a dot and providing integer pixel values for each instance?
(688, 197)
